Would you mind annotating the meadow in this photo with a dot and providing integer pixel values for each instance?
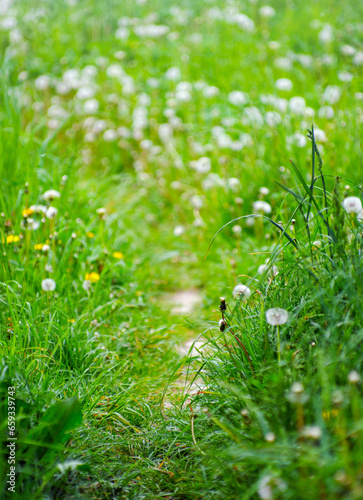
(209, 150)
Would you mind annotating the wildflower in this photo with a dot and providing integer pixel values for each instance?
(353, 377)
(317, 244)
(312, 432)
(12, 238)
(241, 291)
(271, 269)
(264, 191)
(38, 246)
(352, 204)
(38, 209)
(297, 388)
(267, 11)
(270, 485)
(27, 211)
(237, 97)
(236, 229)
(51, 195)
(93, 277)
(49, 268)
(52, 213)
(222, 325)
(86, 285)
(222, 306)
(90, 234)
(283, 84)
(178, 230)
(276, 316)
(118, 255)
(270, 437)
(203, 165)
(48, 285)
(45, 248)
(261, 207)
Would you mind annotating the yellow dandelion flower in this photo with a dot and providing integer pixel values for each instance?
(138, 294)
(12, 238)
(27, 211)
(90, 234)
(118, 255)
(38, 246)
(92, 277)
(71, 320)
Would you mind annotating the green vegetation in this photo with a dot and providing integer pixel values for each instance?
(144, 153)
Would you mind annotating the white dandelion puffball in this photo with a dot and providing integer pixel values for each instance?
(241, 291)
(283, 84)
(51, 213)
(352, 204)
(276, 316)
(87, 285)
(48, 285)
(267, 11)
(353, 377)
(261, 207)
(312, 432)
(51, 194)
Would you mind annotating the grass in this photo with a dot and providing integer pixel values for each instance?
(106, 406)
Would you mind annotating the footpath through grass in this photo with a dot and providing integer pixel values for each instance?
(131, 132)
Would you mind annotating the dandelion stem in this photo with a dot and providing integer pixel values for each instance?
(278, 345)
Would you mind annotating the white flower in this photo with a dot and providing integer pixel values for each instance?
(353, 377)
(271, 269)
(203, 165)
(241, 290)
(261, 206)
(237, 98)
(345, 76)
(236, 229)
(48, 285)
(45, 248)
(297, 388)
(264, 191)
(49, 268)
(352, 204)
(312, 432)
(91, 106)
(39, 209)
(297, 105)
(276, 316)
(332, 94)
(267, 11)
(110, 135)
(51, 195)
(86, 285)
(52, 213)
(173, 73)
(270, 437)
(42, 82)
(196, 201)
(283, 84)
(270, 485)
(178, 230)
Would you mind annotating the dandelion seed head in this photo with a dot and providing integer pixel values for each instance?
(276, 316)
(48, 285)
(51, 195)
(352, 204)
(312, 432)
(241, 291)
(52, 213)
(260, 206)
(354, 377)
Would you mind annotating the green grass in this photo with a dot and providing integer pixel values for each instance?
(106, 405)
